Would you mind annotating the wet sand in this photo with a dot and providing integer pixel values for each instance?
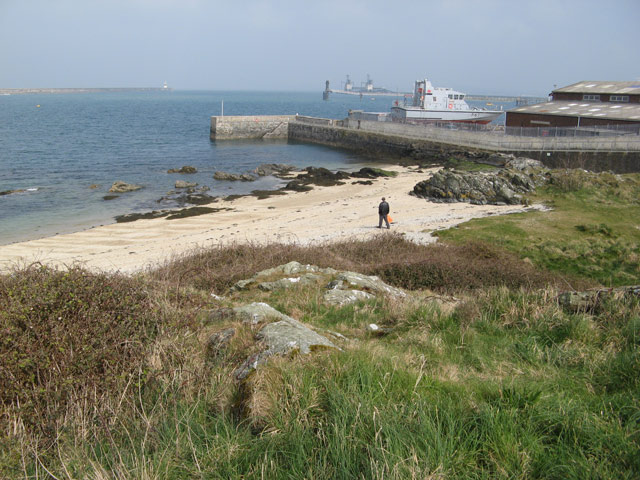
(324, 214)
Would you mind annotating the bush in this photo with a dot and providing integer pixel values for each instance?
(66, 335)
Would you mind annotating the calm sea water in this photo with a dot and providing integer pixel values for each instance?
(56, 146)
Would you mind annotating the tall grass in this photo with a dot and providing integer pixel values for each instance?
(482, 375)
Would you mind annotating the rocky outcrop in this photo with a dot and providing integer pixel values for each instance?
(122, 187)
(234, 177)
(290, 269)
(274, 169)
(345, 297)
(257, 312)
(480, 188)
(592, 300)
(281, 337)
(342, 287)
(367, 283)
(185, 169)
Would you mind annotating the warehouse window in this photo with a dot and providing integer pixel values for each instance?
(619, 98)
(591, 97)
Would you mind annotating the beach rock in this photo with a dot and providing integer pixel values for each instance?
(183, 184)
(281, 338)
(345, 297)
(110, 197)
(274, 169)
(505, 187)
(94, 186)
(318, 176)
(243, 177)
(591, 300)
(10, 192)
(365, 282)
(185, 169)
(122, 187)
(369, 172)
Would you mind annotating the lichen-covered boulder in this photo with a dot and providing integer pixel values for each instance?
(288, 282)
(369, 283)
(345, 297)
(258, 312)
(281, 338)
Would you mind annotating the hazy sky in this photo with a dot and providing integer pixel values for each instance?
(478, 46)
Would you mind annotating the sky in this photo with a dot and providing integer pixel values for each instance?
(500, 47)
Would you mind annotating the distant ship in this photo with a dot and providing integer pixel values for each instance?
(436, 104)
(367, 90)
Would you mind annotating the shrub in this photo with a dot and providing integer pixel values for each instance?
(66, 335)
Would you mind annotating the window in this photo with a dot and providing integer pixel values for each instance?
(619, 98)
(591, 97)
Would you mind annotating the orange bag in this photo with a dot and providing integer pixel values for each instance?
(389, 219)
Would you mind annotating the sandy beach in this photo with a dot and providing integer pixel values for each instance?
(323, 214)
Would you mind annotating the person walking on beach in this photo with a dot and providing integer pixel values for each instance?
(383, 213)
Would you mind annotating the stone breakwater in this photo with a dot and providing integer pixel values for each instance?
(431, 144)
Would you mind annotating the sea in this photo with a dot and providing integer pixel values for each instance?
(64, 151)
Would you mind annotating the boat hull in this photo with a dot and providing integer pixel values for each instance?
(419, 115)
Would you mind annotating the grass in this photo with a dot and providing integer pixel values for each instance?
(483, 375)
(591, 232)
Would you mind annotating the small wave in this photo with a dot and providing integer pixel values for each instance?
(32, 189)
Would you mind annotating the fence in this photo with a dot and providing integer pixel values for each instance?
(499, 137)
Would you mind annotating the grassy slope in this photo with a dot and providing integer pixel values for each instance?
(593, 230)
(501, 384)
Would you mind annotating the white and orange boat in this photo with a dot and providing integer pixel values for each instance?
(431, 104)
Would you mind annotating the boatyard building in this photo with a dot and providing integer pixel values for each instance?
(583, 104)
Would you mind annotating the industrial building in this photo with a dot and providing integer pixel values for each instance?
(583, 104)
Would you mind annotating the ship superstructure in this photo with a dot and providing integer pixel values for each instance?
(437, 104)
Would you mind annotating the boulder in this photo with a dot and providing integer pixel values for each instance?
(258, 312)
(505, 187)
(289, 269)
(122, 187)
(591, 300)
(183, 184)
(185, 169)
(233, 177)
(306, 279)
(365, 282)
(218, 341)
(281, 338)
(345, 297)
(274, 169)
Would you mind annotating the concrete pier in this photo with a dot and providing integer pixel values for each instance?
(250, 127)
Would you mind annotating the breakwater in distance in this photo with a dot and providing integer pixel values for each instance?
(23, 91)
(420, 142)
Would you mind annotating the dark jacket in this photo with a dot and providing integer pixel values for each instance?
(383, 208)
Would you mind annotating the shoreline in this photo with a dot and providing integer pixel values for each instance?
(323, 214)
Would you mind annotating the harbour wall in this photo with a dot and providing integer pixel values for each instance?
(427, 143)
(251, 127)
